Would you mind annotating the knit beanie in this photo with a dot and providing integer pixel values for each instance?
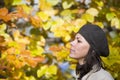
(96, 37)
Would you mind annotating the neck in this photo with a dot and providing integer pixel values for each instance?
(81, 61)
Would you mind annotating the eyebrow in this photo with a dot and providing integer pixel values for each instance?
(78, 37)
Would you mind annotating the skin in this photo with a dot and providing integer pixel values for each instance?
(79, 48)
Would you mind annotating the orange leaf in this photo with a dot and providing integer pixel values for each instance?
(36, 21)
(30, 62)
(3, 12)
(38, 59)
(25, 53)
(18, 64)
(11, 50)
(55, 48)
(20, 12)
(2, 39)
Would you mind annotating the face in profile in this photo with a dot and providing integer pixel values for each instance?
(79, 47)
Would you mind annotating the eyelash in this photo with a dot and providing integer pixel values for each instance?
(78, 41)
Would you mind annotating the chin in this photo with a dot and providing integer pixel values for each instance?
(72, 56)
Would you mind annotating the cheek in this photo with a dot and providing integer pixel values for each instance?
(82, 51)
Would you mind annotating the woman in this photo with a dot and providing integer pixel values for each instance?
(89, 44)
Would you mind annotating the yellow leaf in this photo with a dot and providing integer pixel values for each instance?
(66, 5)
(92, 11)
(52, 70)
(99, 24)
(27, 9)
(44, 5)
(68, 45)
(73, 66)
(67, 37)
(2, 28)
(32, 78)
(78, 24)
(17, 2)
(110, 16)
(51, 12)
(41, 42)
(42, 71)
(88, 17)
(115, 23)
(100, 3)
(37, 51)
(53, 2)
(44, 17)
(47, 25)
(71, 60)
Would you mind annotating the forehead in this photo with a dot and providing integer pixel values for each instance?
(78, 35)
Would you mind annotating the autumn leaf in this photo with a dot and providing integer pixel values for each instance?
(51, 70)
(60, 52)
(36, 21)
(2, 39)
(67, 5)
(44, 5)
(42, 70)
(20, 13)
(78, 23)
(47, 70)
(43, 16)
(92, 11)
(31, 60)
(17, 2)
(110, 16)
(55, 48)
(88, 17)
(39, 59)
(99, 24)
(4, 15)
(53, 2)
(115, 22)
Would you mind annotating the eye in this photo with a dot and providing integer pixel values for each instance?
(78, 41)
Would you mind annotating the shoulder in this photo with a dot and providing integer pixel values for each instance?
(101, 75)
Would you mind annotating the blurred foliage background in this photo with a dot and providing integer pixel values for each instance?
(35, 36)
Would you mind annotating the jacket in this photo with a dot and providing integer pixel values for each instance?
(98, 75)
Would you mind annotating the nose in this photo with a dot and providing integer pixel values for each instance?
(72, 43)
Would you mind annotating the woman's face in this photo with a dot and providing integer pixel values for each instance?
(79, 47)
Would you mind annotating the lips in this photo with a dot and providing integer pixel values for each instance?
(71, 50)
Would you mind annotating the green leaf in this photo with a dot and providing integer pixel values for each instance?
(3, 33)
(65, 12)
(42, 71)
(37, 51)
(32, 78)
(88, 17)
(66, 5)
(110, 16)
(2, 27)
(53, 2)
(100, 3)
(17, 2)
(35, 31)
